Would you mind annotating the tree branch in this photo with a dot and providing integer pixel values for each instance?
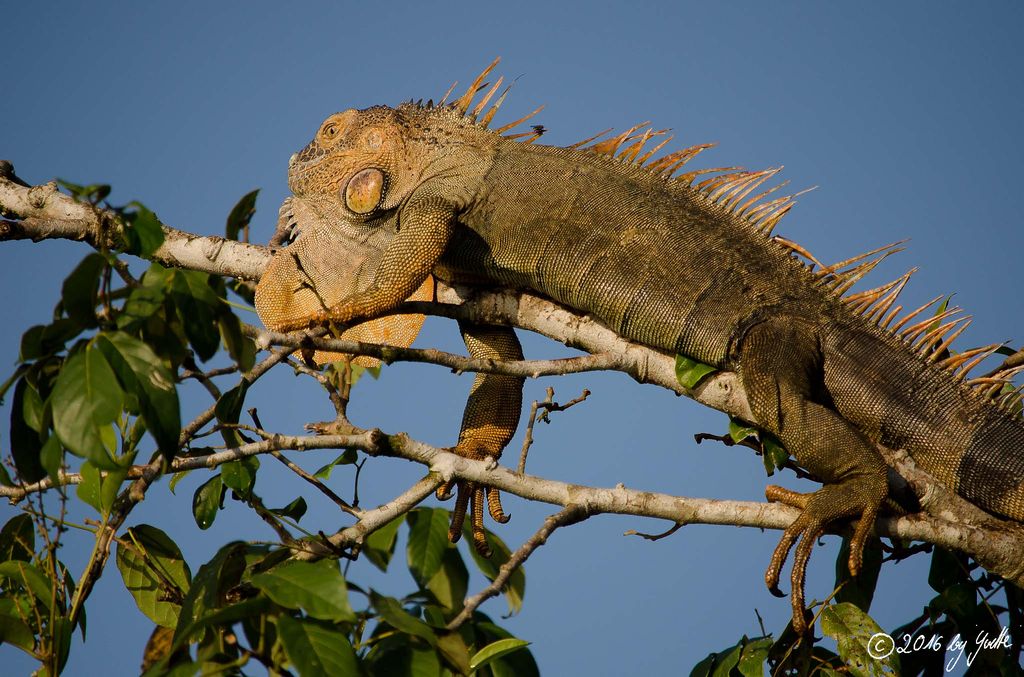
(41, 212)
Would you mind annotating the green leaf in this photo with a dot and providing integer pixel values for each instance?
(240, 475)
(145, 375)
(198, 306)
(207, 501)
(739, 432)
(25, 442)
(515, 589)
(451, 582)
(428, 539)
(51, 456)
(316, 648)
(858, 591)
(80, 290)
(773, 454)
(347, 457)
(380, 545)
(154, 572)
(93, 193)
(207, 591)
(86, 398)
(294, 510)
(228, 410)
(88, 490)
(15, 632)
(452, 648)
(752, 660)
(18, 539)
(496, 650)
(390, 611)
(318, 588)
(726, 661)
(29, 577)
(110, 485)
(852, 629)
(691, 372)
(241, 349)
(145, 233)
(42, 340)
(241, 214)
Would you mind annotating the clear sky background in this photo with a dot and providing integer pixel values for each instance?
(906, 115)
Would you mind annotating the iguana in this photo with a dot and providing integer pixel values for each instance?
(684, 262)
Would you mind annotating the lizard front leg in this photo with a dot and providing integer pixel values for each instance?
(488, 424)
(426, 226)
(780, 365)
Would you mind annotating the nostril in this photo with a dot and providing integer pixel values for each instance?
(292, 159)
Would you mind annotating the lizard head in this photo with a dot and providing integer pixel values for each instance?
(355, 168)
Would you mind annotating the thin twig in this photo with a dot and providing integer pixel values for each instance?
(547, 406)
(570, 514)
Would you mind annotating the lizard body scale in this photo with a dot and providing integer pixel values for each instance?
(682, 263)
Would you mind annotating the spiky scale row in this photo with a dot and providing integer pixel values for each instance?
(730, 188)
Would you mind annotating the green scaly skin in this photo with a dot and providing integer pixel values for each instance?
(660, 261)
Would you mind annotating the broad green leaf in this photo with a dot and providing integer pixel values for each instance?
(451, 582)
(691, 372)
(515, 589)
(15, 632)
(198, 306)
(206, 592)
(30, 577)
(145, 375)
(318, 588)
(154, 572)
(42, 340)
(294, 510)
(240, 475)
(380, 545)
(316, 648)
(18, 539)
(86, 398)
(25, 442)
(453, 650)
(390, 611)
(739, 432)
(228, 409)
(80, 290)
(397, 656)
(241, 214)
(852, 629)
(773, 454)
(145, 233)
(206, 501)
(428, 539)
(240, 347)
(88, 490)
(858, 591)
(754, 656)
(496, 650)
(110, 486)
(51, 456)
(516, 664)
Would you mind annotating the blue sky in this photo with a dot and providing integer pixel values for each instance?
(907, 117)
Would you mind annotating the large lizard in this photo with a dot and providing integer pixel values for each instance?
(680, 262)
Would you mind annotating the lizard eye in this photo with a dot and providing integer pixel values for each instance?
(364, 190)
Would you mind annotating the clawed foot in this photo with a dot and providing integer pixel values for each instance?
(860, 496)
(472, 496)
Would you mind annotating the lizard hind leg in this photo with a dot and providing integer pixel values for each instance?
(488, 424)
(780, 365)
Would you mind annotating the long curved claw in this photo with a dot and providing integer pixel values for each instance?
(479, 538)
(494, 506)
(459, 513)
(444, 492)
(858, 496)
